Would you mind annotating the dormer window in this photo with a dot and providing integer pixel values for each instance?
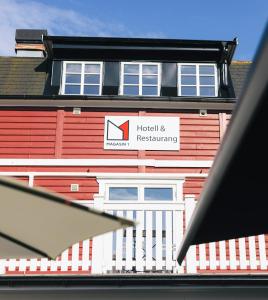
(197, 80)
(82, 78)
(140, 79)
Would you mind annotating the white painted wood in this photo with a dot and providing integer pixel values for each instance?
(159, 241)
(97, 242)
(212, 256)
(107, 177)
(82, 73)
(85, 255)
(44, 263)
(129, 243)
(97, 255)
(242, 254)
(11, 264)
(149, 243)
(232, 252)
(33, 264)
(106, 162)
(145, 209)
(64, 260)
(139, 241)
(142, 205)
(177, 238)
(22, 265)
(2, 267)
(31, 180)
(75, 257)
(197, 77)
(107, 252)
(222, 255)
(139, 74)
(169, 242)
(191, 254)
(262, 252)
(202, 257)
(119, 245)
(191, 262)
(252, 252)
(107, 249)
(53, 265)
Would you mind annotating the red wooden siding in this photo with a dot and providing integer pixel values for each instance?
(83, 136)
(57, 133)
(27, 134)
(60, 134)
(199, 138)
(62, 185)
(193, 186)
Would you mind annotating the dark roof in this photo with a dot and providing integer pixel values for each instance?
(30, 76)
(22, 76)
(239, 71)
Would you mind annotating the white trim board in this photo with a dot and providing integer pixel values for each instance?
(108, 176)
(108, 162)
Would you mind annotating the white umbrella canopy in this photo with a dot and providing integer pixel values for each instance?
(36, 223)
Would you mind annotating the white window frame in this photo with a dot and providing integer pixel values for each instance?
(141, 185)
(82, 84)
(140, 85)
(197, 85)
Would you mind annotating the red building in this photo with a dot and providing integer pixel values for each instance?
(129, 126)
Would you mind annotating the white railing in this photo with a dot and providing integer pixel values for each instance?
(151, 246)
(70, 261)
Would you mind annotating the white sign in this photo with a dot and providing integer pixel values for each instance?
(141, 133)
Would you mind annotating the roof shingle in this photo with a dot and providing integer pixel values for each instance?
(30, 76)
(22, 76)
(239, 71)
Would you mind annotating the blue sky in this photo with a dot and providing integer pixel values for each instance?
(190, 19)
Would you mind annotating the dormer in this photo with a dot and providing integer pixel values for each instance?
(137, 67)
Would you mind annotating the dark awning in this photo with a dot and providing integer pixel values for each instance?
(234, 202)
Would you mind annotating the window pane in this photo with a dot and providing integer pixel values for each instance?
(206, 69)
(75, 68)
(92, 68)
(131, 90)
(165, 194)
(149, 69)
(72, 89)
(188, 91)
(92, 79)
(123, 193)
(132, 79)
(91, 89)
(131, 69)
(73, 78)
(207, 91)
(188, 69)
(191, 80)
(149, 90)
(207, 80)
(149, 79)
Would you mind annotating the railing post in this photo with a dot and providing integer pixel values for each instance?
(191, 262)
(2, 267)
(97, 243)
